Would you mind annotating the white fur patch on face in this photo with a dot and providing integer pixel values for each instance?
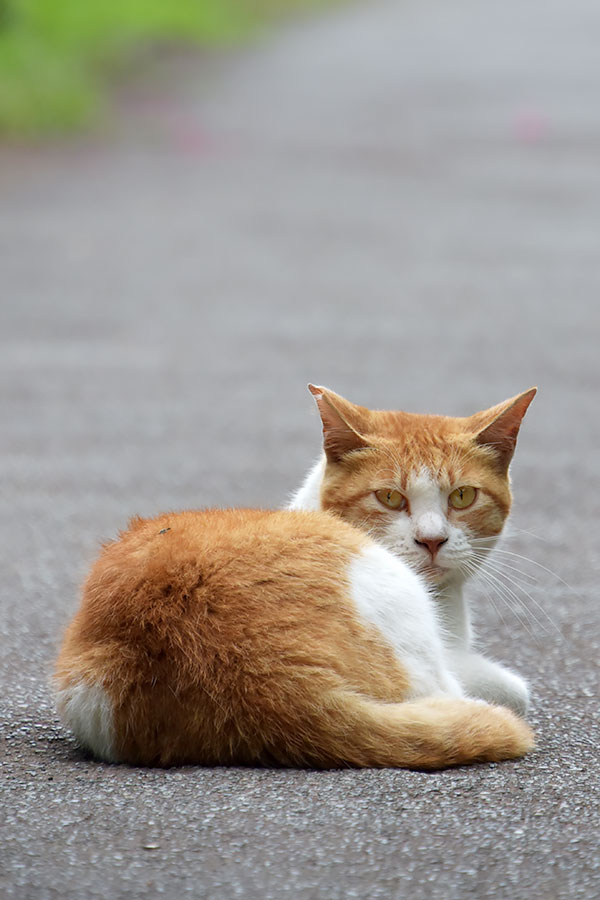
(87, 710)
(390, 596)
(428, 505)
(408, 534)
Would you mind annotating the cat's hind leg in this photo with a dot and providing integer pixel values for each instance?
(87, 710)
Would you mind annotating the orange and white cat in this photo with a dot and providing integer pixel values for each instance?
(435, 491)
(331, 634)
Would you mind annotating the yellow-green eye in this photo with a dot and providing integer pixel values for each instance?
(462, 497)
(391, 499)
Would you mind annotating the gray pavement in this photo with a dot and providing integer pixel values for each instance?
(401, 201)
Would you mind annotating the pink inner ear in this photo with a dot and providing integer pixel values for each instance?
(340, 441)
(501, 433)
(331, 418)
(339, 437)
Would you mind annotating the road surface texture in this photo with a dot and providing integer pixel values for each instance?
(401, 201)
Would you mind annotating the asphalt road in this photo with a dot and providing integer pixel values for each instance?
(400, 201)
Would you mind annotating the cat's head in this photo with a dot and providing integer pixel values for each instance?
(434, 490)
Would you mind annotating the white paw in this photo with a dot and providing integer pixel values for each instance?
(487, 680)
(513, 691)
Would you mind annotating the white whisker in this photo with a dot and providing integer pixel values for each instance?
(539, 566)
(498, 572)
(470, 571)
(514, 529)
(483, 558)
(511, 599)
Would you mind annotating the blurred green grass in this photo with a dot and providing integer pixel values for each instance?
(57, 57)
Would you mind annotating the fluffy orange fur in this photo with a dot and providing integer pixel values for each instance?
(225, 637)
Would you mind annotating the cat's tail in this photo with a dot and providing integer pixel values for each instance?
(430, 733)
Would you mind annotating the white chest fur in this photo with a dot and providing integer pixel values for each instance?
(390, 596)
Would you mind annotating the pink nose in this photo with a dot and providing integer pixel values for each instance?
(432, 544)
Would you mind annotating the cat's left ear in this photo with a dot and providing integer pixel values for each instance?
(339, 437)
(501, 433)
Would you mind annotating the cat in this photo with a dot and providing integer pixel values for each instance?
(310, 636)
(435, 491)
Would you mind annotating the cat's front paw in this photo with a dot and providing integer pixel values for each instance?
(513, 691)
(487, 680)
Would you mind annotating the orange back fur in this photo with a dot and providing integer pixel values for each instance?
(229, 636)
(215, 632)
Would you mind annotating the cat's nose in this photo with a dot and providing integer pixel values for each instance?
(432, 544)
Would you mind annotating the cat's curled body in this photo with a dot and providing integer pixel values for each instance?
(290, 637)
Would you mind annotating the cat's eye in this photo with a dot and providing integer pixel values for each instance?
(462, 497)
(391, 499)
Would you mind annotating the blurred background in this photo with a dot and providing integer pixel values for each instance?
(396, 199)
(59, 58)
(205, 204)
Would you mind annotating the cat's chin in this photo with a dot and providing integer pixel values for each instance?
(437, 576)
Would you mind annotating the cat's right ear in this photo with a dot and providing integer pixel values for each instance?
(339, 437)
(500, 435)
